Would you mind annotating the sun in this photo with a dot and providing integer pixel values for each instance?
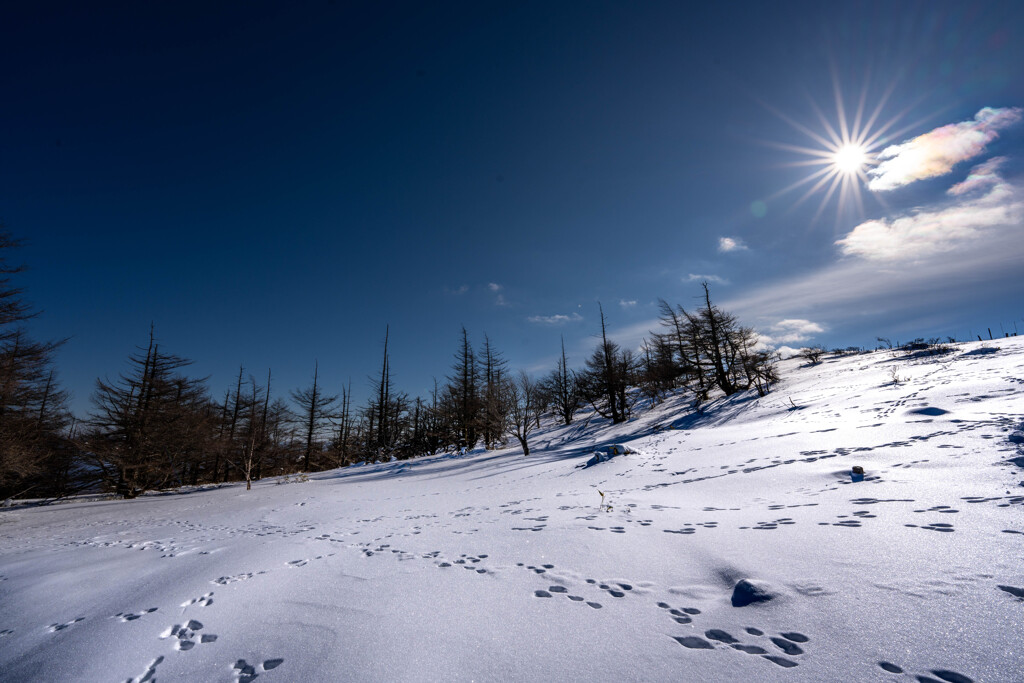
(842, 152)
(850, 159)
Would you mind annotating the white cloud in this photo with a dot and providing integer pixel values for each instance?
(462, 289)
(694, 277)
(862, 289)
(558, 319)
(924, 263)
(627, 304)
(925, 232)
(936, 152)
(791, 331)
(727, 244)
(787, 352)
(494, 286)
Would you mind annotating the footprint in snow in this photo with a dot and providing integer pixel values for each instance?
(204, 600)
(680, 616)
(934, 526)
(787, 642)
(1014, 591)
(135, 615)
(245, 672)
(54, 628)
(942, 675)
(185, 635)
(225, 580)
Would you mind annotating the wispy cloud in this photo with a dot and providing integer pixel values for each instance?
(928, 231)
(694, 277)
(727, 244)
(863, 289)
(630, 303)
(558, 319)
(496, 289)
(936, 152)
(982, 177)
(462, 289)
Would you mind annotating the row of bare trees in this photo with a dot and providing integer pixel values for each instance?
(36, 457)
(155, 426)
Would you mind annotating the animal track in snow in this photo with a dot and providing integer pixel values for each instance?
(786, 641)
(940, 508)
(680, 616)
(53, 628)
(944, 675)
(774, 524)
(225, 580)
(245, 672)
(1014, 591)
(934, 526)
(203, 601)
(185, 635)
(303, 562)
(134, 615)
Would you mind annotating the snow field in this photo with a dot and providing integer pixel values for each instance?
(492, 566)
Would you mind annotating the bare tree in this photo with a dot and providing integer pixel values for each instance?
(562, 389)
(606, 379)
(492, 415)
(812, 354)
(147, 424)
(34, 448)
(464, 394)
(521, 399)
(314, 410)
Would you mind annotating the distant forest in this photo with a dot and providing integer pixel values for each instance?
(155, 427)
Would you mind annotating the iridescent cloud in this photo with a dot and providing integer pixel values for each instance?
(936, 152)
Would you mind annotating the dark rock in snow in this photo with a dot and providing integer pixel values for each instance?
(747, 592)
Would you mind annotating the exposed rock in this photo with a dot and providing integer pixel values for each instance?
(748, 591)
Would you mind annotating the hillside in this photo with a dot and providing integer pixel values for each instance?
(495, 566)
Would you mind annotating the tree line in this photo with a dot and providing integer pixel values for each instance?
(155, 426)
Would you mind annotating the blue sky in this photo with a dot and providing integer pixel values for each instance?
(272, 186)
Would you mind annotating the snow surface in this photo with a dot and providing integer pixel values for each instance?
(495, 566)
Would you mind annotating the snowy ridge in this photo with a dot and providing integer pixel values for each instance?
(736, 544)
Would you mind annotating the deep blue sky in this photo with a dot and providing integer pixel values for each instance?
(272, 185)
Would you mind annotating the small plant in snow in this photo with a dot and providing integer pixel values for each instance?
(605, 507)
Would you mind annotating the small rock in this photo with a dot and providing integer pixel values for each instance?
(1016, 437)
(748, 591)
(857, 469)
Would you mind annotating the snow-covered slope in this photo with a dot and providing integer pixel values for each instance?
(493, 566)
